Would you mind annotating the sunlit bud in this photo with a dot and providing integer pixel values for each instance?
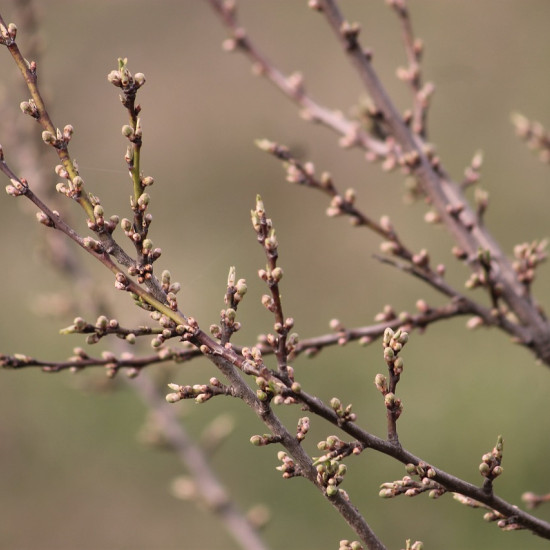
(114, 78)
(148, 180)
(139, 79)
(48, 137)
(277, 274)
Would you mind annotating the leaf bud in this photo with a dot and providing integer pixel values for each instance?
(48, 137)
(173, 398)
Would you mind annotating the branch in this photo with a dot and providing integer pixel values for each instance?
(408, 149)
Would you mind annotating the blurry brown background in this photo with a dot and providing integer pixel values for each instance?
(72, 473)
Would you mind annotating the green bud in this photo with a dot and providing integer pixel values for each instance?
(256, 440)
(484, 469)
(144, 199)
(241, 287)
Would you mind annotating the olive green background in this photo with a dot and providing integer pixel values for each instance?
(72, 473)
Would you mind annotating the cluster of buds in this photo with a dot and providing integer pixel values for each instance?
(169, 329)
(534, 134)
(235, 289)
(264, 227)
(505, 523)
(17, 187)
(393, 343)
(8, 34)
(288, 466)
(199, 392)
(490, 467)
(123, 78)
(171, 289)
(73, 185)
(330, 469)
(102, 327)
(271, 276)
(343, 204)
(528, 256)
(282, 329)
(298, 173)
(59, 139)
(303, 428)
(228, 320)
(98, 223)
(410, 487)
(344, 413)
(271, 389)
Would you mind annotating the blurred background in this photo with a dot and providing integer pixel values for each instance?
(74, 470)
